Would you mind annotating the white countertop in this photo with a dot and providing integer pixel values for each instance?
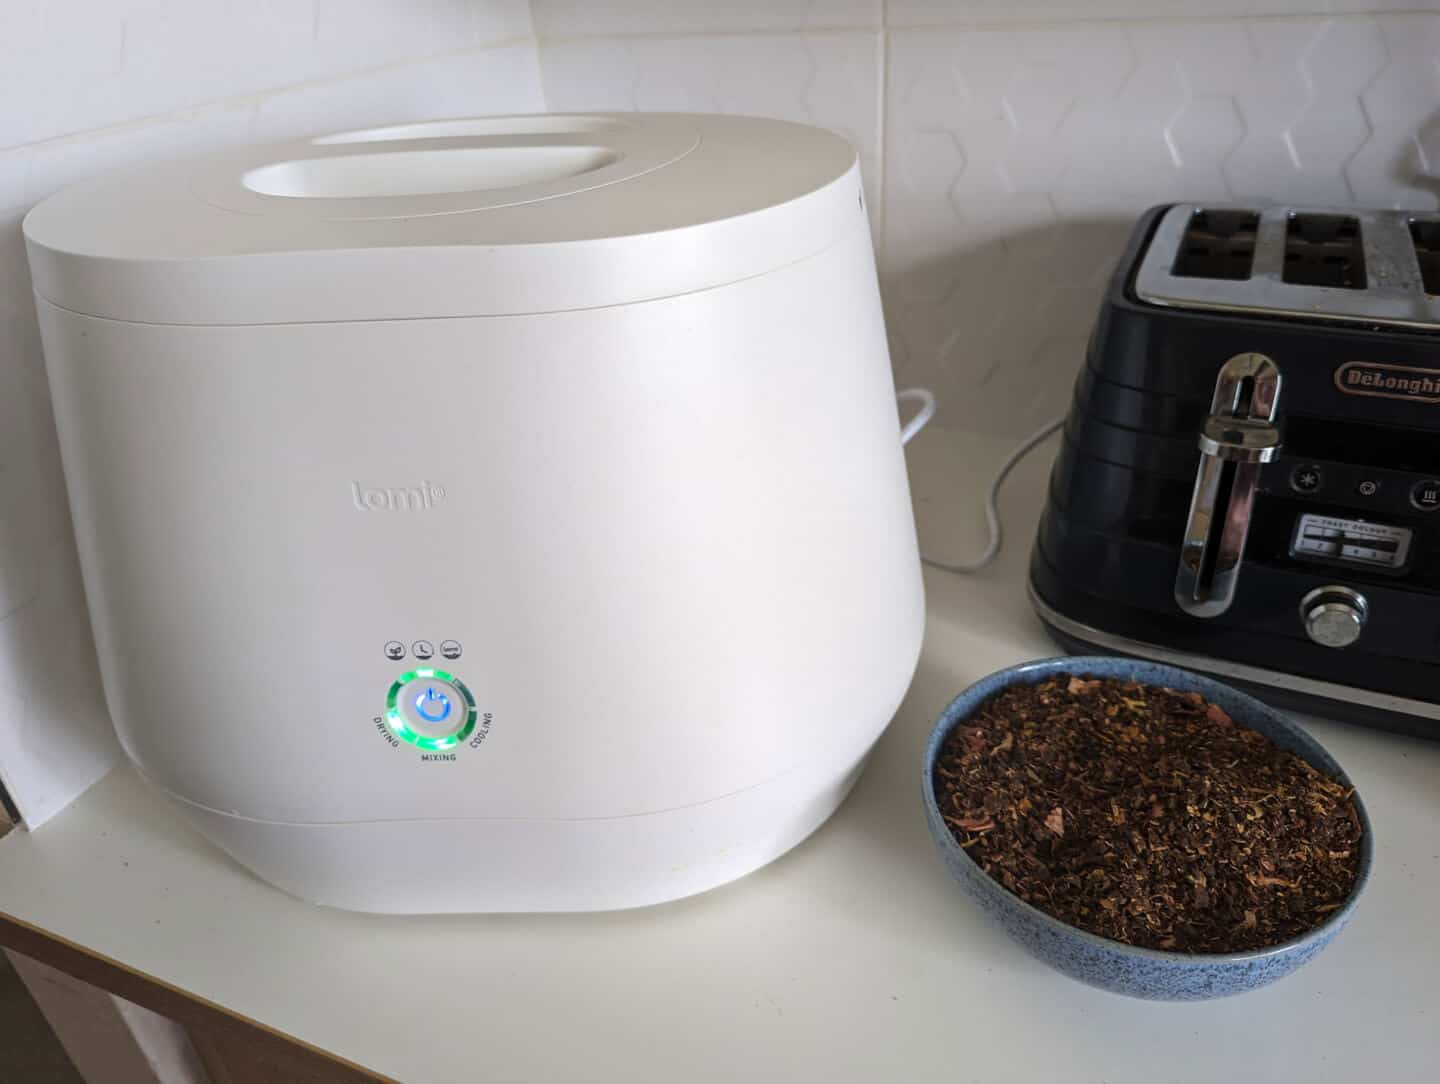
(854, 958)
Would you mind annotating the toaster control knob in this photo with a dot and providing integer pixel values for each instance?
(1333, 616)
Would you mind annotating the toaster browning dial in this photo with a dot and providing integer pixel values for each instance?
(1334, 616)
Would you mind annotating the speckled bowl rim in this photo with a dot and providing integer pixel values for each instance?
(965, 705)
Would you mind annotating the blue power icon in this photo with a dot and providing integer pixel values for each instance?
(433, 706)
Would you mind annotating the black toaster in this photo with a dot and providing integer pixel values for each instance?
(1249, 483)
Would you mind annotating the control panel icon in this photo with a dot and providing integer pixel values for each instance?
(1305, 479)
(432, 705)
(450, 648)
(394, 650)
(1426, 495)
(423, 649)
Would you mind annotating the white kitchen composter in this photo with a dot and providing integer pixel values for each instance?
(503, 514)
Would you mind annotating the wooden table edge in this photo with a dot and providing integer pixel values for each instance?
(197, 1013)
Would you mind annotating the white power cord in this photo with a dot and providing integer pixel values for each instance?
(926, 398)
(992, 496)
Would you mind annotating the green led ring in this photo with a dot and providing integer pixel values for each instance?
(402, 730)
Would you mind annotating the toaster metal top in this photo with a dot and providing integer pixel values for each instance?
(1379, 267)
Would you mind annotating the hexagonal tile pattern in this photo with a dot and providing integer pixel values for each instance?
(830, 79)
(1399, 166)
(994, 258)
(1203, 132)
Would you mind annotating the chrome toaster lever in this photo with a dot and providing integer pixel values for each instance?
(1235, 439)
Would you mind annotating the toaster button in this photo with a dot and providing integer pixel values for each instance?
(1426, 495)
(1333, 616)
(1306, 478)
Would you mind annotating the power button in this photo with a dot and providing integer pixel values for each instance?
(432, 705)
(430, 709)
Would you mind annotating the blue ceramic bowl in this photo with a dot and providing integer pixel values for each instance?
(1111, 965)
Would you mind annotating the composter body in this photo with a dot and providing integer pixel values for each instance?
(572, 608)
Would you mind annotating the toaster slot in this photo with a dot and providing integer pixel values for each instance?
(1324, 250)
(1217, 244)
(1426, 236)
(1339, 264)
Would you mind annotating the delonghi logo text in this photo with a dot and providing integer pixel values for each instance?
(1389, 381)
(401, 499)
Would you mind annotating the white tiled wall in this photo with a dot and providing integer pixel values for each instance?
(77, 65)
(826, 78)
(87, 85)
(1017, 160)
(1014, 143)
